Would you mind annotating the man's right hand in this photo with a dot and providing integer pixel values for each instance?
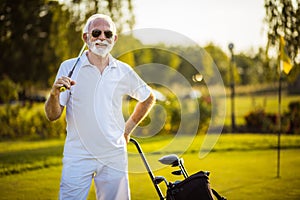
(63, 81)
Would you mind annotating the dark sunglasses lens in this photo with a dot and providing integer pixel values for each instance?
(108, 34)
(96, 33)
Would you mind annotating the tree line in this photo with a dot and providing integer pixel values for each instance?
(36, 36)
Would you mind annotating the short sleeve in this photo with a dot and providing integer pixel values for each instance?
(139, 90)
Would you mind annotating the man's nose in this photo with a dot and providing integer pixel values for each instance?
(102, 36)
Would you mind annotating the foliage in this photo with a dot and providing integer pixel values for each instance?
(294, 117)
(121, 11)
(24, 27)
(260, 121)
(8, 90)
(53, 28)
(283, 18)
(221, 60)
(262, 68)
(246, 70)
(136, 56)
(38, 35)
(175, 114)
(29, 121)
(64, 39)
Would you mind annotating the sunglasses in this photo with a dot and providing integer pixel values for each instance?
(97, 32)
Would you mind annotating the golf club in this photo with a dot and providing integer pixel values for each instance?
(150, 173)
(177, 172)
(63, 88)
(158, 179)
(169, 159)
(174, 161)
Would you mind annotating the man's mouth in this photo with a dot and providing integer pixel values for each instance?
(100, 45)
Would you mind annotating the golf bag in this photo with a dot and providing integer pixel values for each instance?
(194, 187)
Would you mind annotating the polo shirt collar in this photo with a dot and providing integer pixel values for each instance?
(112, 61)
(85, 61)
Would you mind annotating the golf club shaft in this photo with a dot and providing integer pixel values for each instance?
(161, 197)
(182, 168)
(63, 88)
(184, 173)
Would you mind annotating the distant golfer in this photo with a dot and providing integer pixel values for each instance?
(95, 146)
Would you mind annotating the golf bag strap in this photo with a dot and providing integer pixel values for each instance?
(219, 197)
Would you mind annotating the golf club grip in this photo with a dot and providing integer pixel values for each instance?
(147, 167)
(64, 88)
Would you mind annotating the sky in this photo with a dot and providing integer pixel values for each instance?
(219, 21)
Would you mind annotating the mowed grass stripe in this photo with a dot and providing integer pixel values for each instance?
(37, 155)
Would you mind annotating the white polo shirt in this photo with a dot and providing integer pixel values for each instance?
(95, 123)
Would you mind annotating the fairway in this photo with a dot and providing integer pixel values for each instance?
(242, 166)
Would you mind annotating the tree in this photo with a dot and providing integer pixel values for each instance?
(247, 69)
(35, 36)
(264, 66)
(221, 60)
(283, 19)
(121, 11)
(24, 44)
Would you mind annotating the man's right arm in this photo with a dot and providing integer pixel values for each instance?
(53, 109)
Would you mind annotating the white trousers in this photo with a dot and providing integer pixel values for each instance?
(110, 178)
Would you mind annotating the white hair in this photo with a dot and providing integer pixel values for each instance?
(99, 16)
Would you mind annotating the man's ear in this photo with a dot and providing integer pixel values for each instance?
(115, 38)
(85, 37)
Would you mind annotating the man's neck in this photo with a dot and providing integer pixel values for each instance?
(99, 61)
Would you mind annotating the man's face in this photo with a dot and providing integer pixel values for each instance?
(100, 39)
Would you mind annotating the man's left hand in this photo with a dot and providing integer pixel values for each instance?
(127, 137)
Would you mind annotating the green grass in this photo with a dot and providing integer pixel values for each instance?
(20, 156)
(242, 166)
(237, 175)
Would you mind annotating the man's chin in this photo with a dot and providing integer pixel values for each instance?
(100, 53)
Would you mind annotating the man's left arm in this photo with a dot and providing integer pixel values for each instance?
(140, 112)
